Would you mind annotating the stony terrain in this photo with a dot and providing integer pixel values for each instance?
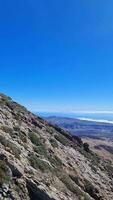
(39, 161)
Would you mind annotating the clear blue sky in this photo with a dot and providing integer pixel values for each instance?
(57, 55)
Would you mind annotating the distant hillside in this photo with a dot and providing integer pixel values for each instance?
(83, 128)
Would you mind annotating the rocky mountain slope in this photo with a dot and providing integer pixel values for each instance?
(39, 161)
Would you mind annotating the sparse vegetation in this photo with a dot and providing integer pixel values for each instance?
(92, 157)
(62, 139)
(5, 175)
(38, 163)
(78, 139)
(6, 143)
(50, 130)
(55, 161)
(35, 139)
(70, 185)
(53, 143)
(41, 150)
(86, 147)
(3, 141)
(7, 129)
(109, 168)
(75, 179)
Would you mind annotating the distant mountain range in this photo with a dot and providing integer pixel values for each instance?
(83, 128)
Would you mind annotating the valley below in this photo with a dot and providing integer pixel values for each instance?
(83, 128)
(98, 135)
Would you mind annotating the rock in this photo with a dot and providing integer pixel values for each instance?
(15, 172)
(5, 187)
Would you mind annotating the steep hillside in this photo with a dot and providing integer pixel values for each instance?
(39, 161)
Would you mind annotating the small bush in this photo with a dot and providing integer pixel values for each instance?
(39, 164)
(40, 150)
(75, 179)
(50, 130)
(15, 150)
(35, 139)
(55, 161)
(92, 157)
(70, 185)
(91, 190)
(73, 188)
(6, 143)
(5, 175)
(62, 139)
(109, 169)
(78, 139)
(86, 147)
(3, 141)
(53, 143)
(7, 129)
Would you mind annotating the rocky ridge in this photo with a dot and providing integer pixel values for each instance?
(39, 161)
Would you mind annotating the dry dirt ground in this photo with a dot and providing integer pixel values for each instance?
(103, 147)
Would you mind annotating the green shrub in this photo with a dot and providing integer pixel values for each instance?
(39, 164)
(40, 150)
(55, 161)
(35, 131)
(5, 175)
(86, 197)
(35, 139)
(15, 150)
(92, 157)
(3, 141)
(50, 130)
(90, 189)
(7, 129)
(53, 143)
(75, 179)
(70, 185)
(109, 168)
(6, 143)
(88, 186)
(78, 139)
(62, 139)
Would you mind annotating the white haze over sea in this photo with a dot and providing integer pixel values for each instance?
(96, 116)
(96, 120)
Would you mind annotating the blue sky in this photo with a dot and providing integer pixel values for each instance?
(57, 55)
